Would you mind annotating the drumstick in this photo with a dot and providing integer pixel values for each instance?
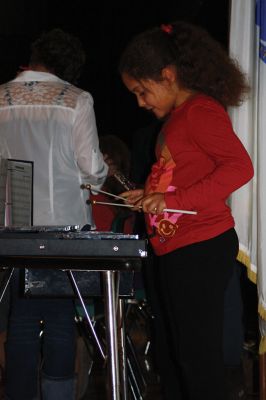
(173, 210)
(131, 206)
(91, 187)
(110, 204)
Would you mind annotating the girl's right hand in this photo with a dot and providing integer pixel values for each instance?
(133, 197)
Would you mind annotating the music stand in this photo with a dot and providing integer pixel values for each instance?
(16, 200)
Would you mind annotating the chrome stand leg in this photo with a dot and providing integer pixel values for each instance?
(111, 334)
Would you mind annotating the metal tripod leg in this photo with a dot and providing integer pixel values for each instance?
(122, 349)
(71, 276)
(131, 375)
(5, 282)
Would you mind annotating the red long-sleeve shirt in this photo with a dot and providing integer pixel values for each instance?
(200, 162)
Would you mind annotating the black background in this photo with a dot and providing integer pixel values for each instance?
(104, 28)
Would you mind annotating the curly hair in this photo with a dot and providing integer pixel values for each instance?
(118, 151)
(60, 52)
(201, 62)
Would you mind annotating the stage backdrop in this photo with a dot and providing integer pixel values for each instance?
(248, 47)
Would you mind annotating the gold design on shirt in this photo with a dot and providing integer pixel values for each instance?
(166, 228)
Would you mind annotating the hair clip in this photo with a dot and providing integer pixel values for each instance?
(167, 28)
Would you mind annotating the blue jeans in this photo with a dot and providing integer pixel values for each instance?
(25, 348)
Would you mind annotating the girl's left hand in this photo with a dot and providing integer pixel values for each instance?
(133, 197)
(154, 203)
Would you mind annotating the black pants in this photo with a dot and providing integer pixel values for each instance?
(192, 281)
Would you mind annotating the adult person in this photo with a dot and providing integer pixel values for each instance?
(44, 118)
(180, 73)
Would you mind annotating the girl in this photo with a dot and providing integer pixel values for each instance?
(183, 76)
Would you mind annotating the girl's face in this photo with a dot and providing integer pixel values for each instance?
(159, 97)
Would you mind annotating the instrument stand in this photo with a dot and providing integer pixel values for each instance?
(125, 373)
(111, 332)
(107, 253)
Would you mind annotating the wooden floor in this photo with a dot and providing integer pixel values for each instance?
(96, 389)
(93, 386)
(91, 370)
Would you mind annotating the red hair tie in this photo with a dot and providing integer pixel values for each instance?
(167, 28)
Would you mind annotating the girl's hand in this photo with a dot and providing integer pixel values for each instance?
(154, 203)
(133, 197)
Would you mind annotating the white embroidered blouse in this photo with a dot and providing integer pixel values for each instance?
(52, 123)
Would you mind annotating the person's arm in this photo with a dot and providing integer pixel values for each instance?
(86, 143)
(211, 130)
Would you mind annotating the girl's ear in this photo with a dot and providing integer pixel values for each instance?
(169, 74)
